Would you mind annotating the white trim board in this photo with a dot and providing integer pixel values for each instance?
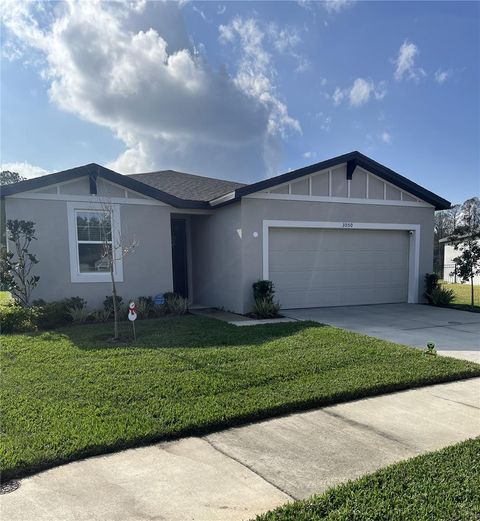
(414, 244)
(326, 199)
(87, 199)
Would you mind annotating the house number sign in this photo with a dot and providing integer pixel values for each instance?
(347, 225)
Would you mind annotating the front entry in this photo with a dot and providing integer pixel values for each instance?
(179, 257)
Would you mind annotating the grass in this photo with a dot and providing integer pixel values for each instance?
(462, 296)
(71, 393)
(440, 486)
(5, 298)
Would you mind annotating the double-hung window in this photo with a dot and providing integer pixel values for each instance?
(92, 232)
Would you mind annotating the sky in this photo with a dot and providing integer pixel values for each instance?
(243, 90)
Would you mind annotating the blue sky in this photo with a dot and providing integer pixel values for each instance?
(244, 90)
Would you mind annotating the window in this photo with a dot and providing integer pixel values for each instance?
(92, 232)
(94, 238)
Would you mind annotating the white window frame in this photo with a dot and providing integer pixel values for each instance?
(414, 244)
(101, 276)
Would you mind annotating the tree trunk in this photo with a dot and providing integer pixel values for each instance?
(115, 309)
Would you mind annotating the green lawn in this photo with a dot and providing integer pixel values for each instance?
(462, 294)
(5, 298)
(71, 393)
(440, 486)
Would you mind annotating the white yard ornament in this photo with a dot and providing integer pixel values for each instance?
(132, 316)
(132, 311)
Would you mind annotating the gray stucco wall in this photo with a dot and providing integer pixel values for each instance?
(254, 211)
(217, 258)
(146, 271)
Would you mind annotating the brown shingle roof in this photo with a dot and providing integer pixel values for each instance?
(187, 186)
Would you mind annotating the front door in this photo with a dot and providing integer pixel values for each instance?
(179, 257)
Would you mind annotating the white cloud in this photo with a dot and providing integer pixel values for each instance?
(386, 137)
(256, 72)
(442, 76)
(106, 64)
(25, 169)
(360, 92)
(307, 155)
(338, 96)
(221, 9)
(405, 63)
(336, 6)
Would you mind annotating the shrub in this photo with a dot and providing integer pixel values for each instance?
(441, 296)
(17, 319)
(79, 314)
(100, 315)
(108, 304)
(264, 308)
(264, 305)
(263, 289)
(431, 283)
(57, 313)
(145, 307)
(175, 304)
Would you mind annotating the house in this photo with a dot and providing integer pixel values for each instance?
(449, 253)
(345, 231)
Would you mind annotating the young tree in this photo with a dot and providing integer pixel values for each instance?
(114, 248)
(16, 265)
(466, 240)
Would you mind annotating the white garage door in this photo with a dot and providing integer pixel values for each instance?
(320, 267)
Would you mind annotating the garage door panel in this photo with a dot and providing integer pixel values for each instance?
(337, 278)
(308, 260)
(318, 267)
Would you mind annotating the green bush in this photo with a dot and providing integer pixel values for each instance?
(263, 289)
(175, 304)
(264, 308)
(441, 296)
(57, 313)
(16, 319)
(431, 284)
(79, 314)
(264, 305)
(145, 307)
(108, 304)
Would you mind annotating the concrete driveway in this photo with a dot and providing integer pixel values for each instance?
(455, 333)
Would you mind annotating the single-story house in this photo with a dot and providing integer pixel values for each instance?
(449, 271)
(344, 231)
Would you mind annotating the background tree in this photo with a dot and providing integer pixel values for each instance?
(16, 265)
(466, 240)
(6, 178)
(444, 224)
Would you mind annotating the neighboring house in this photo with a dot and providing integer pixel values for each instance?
(449, 253)
(345, 231)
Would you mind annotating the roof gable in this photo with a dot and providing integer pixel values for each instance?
(94, 171)
(352, 161)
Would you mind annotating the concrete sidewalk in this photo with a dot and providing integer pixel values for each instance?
(238, 473)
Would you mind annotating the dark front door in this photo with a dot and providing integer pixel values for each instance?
(179, 257)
